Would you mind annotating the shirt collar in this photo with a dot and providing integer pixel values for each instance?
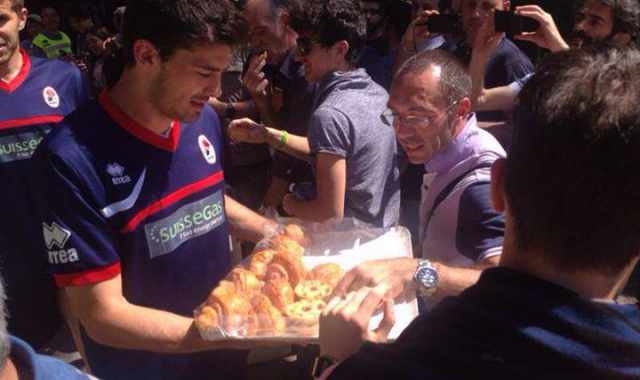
(458, 149)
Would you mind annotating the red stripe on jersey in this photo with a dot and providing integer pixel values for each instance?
(171, 199)
(13, 84)
(89, 277)
(28, 121)
(169, 143)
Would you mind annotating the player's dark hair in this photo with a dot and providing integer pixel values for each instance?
(571, 181)
(180, 24)
(330, 21)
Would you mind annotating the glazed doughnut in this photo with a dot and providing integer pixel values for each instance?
(329, 273)
(279, 292)
(312, 290)
(292, 263)
(305, 312)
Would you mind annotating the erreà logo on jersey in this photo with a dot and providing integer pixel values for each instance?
(51, 97)
(207, 149)
(57, 237)
(116, 171)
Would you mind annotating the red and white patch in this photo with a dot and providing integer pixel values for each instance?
(51, 97)
(207, 149)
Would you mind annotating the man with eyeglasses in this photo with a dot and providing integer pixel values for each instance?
(461, 234)
(353, 152)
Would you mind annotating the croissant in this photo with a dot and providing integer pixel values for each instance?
(280, 293)
(296, 233)
(270, 319)
(284, 243)
(233, 310)
(245, 281)
(292, 264)
(259, 262)
(207, 318)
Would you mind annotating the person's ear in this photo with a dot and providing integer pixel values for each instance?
(621, 39)
(464, 107)
(341, 49)
(497, 184)
(145, 53)
(22, 19)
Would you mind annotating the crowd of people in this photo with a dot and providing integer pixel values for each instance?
(134, 160)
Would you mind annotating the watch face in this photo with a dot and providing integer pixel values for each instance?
(428, 277)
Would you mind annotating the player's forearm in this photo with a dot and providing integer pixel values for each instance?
(293, 145)
(244, 223)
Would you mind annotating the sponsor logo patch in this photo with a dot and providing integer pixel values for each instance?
(207, 149)
(57, 237)
(186, 223)
(116, 171)
(51, 97)
(20, 146)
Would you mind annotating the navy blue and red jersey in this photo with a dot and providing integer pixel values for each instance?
(124, 200)
(39, 97)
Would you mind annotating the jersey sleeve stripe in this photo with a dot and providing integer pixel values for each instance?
(27, 121)
(171, 199)
(89, 277)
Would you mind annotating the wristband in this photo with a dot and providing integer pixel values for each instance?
(284, 137)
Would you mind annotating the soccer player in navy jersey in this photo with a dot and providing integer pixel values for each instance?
(35, 95)
(137, 223)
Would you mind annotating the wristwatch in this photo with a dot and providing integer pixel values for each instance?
(229, 111)
(321, 364)
(426, 278)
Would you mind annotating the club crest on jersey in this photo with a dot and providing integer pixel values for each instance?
(116, 171)
(51, 97)
(207, 149)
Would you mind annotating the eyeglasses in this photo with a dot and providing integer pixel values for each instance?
(305, 45)
(389, 117)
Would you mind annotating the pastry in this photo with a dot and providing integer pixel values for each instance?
(329, 273)
(270, 319)
(282, 243)
(292, 264)
(295, 232)
(305, 312)
(276, 272)
(234, 311)
(312, 290)
(259, 262)
(279, 292)
(245, 281)
(206, 318)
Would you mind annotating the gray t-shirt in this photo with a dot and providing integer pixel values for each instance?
(346, 122)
